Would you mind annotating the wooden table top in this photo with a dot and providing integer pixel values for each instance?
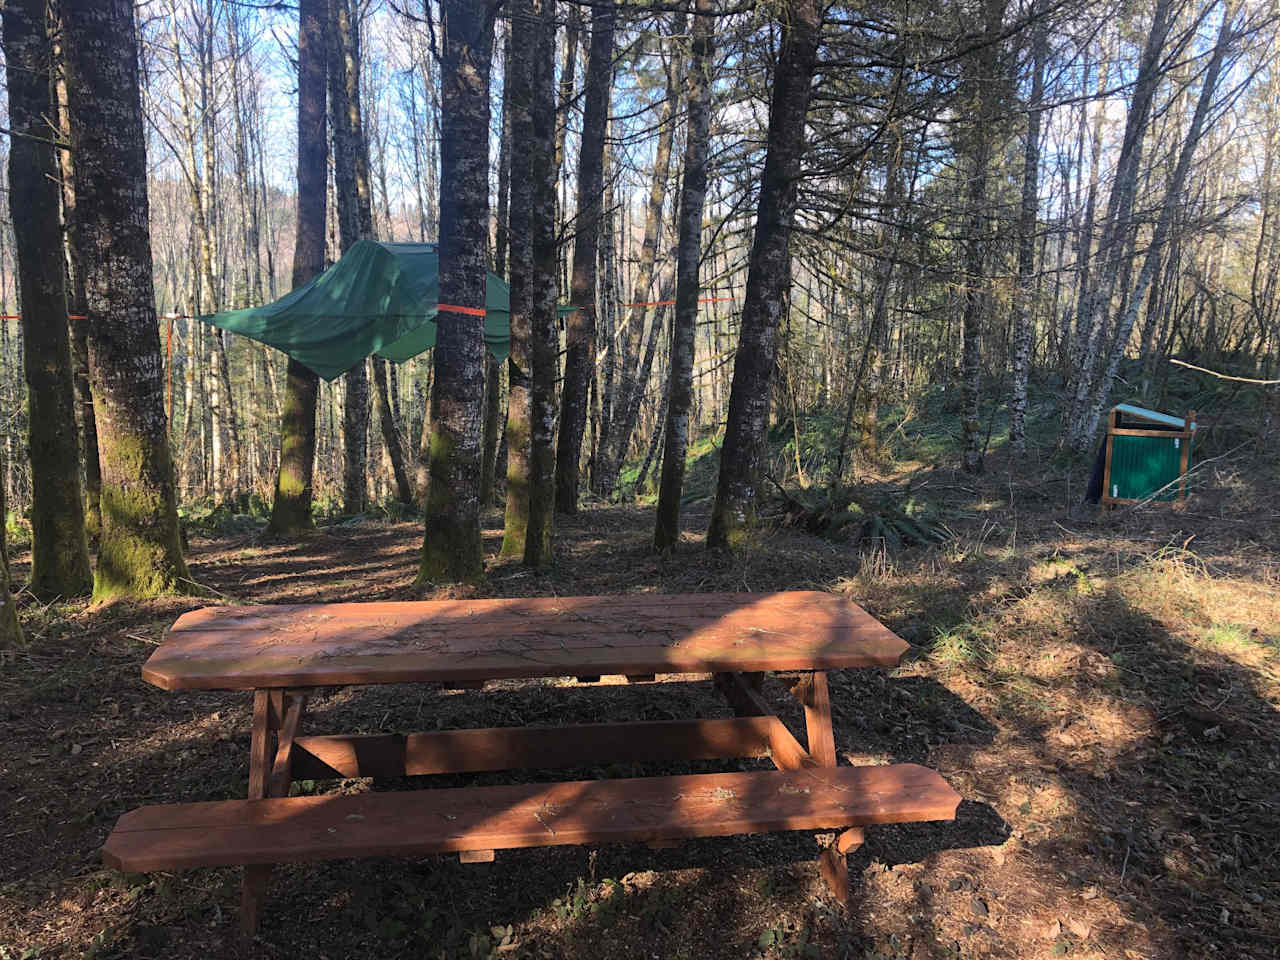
(464, 641)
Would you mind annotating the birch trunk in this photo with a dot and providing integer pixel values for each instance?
(768, 279)
(291, 508)
(693, 193)
(60, 550)
(452, 549)
(1168, 210)
(1118, 223)
(140, 552)
(580, 327)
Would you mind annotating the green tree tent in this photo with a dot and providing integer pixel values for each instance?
(380, 298)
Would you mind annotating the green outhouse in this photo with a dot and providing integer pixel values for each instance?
(1147, 455)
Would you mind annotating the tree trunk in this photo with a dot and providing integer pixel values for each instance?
(452, 549)
(544, 325)
(489, 441)
(883, 272)
(60, 550)
(980, 133)
(693, 192)
(386, 420)
(768, 277)
(502, 231)
(291, 508)
(517, 112)
(1023, 317)
(631, 385)
(79, 322)
(1172, 200)
(1117, 227)
(10, 630)
(140, 552)
(355, 409)
(580, 328)
(603, 385)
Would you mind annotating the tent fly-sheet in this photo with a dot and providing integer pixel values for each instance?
(380, 298)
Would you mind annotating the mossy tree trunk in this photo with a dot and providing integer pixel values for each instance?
(140, 553)
(343, 109)
(10, 631)
(544, 333)
(580, 327)
(693, 192)
(452, 550)
(768, 275)
(291, 508)
(60, 551)
(518, 117)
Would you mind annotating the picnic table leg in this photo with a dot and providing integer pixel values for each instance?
(815, 696)
(275, 724)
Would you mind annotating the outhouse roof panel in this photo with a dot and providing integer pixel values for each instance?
(1152, 415)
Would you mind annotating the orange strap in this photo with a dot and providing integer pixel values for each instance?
(671, 303)
(465, 311)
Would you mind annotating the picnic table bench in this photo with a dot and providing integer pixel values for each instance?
(284, 652)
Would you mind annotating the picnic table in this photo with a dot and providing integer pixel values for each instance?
(283, 653)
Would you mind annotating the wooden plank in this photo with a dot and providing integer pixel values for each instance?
(476, 751)
(282, 769)
(834, 869)
(267, 710)
(850, 840)
(257, 618)
(817, 719)
(785, 750)
(260, 744)
(745, 698)
(833, 864)
(253, 896)
(1135, 432)
(476, 856)
(299, 829)
(1106, 468)
(456, 641)
(1187, 434)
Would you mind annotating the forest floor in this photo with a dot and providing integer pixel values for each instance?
(1104, 692)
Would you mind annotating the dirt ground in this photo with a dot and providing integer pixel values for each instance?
(1104, 693)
